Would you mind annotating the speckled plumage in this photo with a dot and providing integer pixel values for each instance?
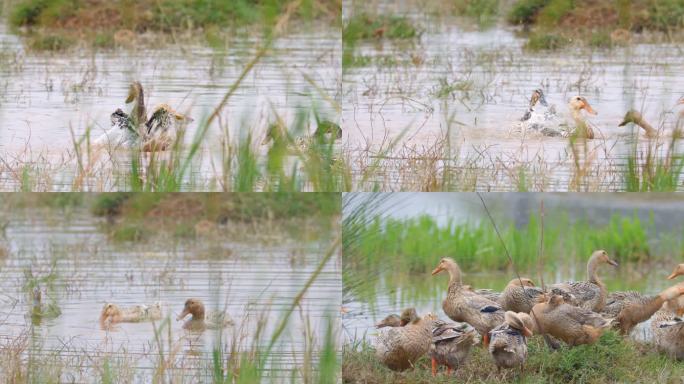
(668, 333)
(452, 343)
(398, 348)
(462, 304)
(589, 294)
(631, 308)
(573, 325)
(508, 342)
(519, 298)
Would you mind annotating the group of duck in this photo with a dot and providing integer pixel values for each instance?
(574, 312)
(160, 131)
(113, 314)
(199, 321)
(542, 117)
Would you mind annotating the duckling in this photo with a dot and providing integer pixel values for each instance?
(112, 313)
(571, 324)
(462, 304)
(40, 310)
(201, 320)
(163, 128)
(589, 294)
(508, 343)
(451, 344)
(520, 295)
(394, 320)
(631, 308)
(398, 348)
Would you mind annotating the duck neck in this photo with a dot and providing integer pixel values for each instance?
(198, 315)
(139, 113)
(592, 271)
(650, 131)
(454, 275)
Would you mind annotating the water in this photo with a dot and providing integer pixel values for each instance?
(46, 96)
(249, 277)
(379, 295)
(497, 77)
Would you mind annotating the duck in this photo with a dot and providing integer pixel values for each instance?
(394, 320)
(668, 333)
(451, 344)
(571, 324)
(590, 294)
(464, 305)
(163, 128)
(539, 115)
(581, 127)
(112, 313)
(122, 132)
(398, 348)
(485, 292)
(201, 320)
(676, 305)
(508, 343)
(520, 295)
(633, 116)
(327, 132)
(136, 95)
(631, 308)
(41, 310)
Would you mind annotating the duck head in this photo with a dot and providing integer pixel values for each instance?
(538, 97)
(193, 307)
(408, 315)
(135, 92)
(678, 271)
(601, 256)
(444, 265)
(521, 282)
(578, 103)
(392, 320)
(517, 323)
(109, 310)
(632, 116)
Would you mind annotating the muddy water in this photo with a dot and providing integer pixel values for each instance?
(379, 295)
(497, 77)
(44, 96)
(249, 278)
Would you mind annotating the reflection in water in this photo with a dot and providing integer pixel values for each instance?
(79, 269)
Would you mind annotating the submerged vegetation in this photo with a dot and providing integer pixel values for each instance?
(611, 360)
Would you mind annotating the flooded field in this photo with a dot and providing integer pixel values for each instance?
(256, 277)
(440, 111)
(50, 100)
(392, 286)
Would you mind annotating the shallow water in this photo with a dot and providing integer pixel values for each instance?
(378, 296)
(497, 77)
(248, 277)
(44, 96)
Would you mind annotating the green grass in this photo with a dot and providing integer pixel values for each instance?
(415, 245)
(650, 172)
(611, 360)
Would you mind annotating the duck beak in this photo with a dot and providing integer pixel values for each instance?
(182, 315)
(613, 263)
(437, 270)
(588, 108)
(673, 275)
(380, 324)
(526, 332)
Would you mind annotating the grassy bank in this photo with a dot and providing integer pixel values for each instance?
(611, 360)
(416, 244)
(557, 23)
(58, 24)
